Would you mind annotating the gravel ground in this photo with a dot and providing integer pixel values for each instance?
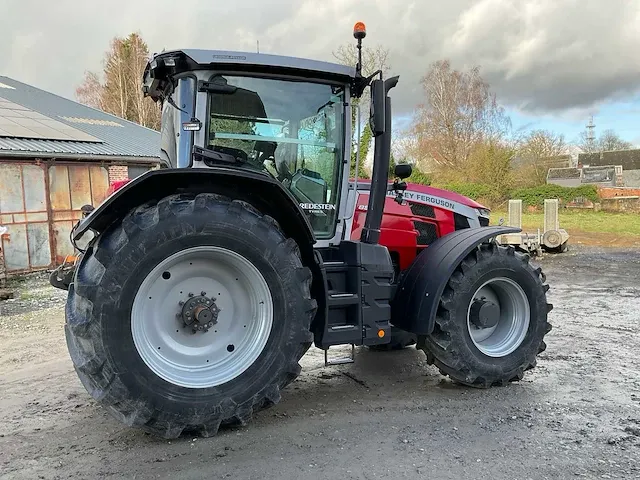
(389, 415)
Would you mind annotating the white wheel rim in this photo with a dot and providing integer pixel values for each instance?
(514, 317)
(202, 359)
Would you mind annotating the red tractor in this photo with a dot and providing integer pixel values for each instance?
(205, 282)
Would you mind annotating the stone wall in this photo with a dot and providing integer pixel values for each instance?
(621, 204)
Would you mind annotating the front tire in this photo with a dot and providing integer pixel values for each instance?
(491, 320)
(130, 315)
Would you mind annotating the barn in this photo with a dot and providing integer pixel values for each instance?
(57, 155)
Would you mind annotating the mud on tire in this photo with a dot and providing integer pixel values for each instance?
(450, 346)
(99, 327)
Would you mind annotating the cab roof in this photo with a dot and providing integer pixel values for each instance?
(164, 65)
(209, 57)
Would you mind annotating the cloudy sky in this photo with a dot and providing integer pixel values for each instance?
(551, 62)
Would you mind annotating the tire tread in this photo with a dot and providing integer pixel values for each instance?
(83, 333)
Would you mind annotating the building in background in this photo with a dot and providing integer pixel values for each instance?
(57, 155)
(627, 160)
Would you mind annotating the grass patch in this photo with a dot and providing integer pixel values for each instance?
(583, 220)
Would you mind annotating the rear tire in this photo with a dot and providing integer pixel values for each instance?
(174, 390)
(496, 355)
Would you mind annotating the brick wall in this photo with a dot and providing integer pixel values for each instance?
(611, 192)
(118, 172)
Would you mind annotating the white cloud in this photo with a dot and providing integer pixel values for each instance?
(539, 55)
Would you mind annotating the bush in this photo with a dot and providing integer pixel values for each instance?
(419, 177)
(535, 196)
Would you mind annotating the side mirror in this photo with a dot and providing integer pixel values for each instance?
(403, 170)
(376, 115)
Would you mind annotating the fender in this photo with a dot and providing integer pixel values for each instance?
(262, 191)
(418, 293)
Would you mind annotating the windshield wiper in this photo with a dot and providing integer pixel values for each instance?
(204, 154)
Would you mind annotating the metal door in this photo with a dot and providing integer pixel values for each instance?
(71, 187)
(23, 210)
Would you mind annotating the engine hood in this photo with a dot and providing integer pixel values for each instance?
(431, 191)
(446, 194)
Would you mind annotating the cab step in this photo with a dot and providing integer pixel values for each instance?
(340, 361)
(358, 279)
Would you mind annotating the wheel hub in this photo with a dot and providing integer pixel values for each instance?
(484, 313)
(498, 317)
(198, 312)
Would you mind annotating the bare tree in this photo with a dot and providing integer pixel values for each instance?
(90, 91)
(539, 151)
(120, 90)
(610, 140)
(459, 113)
(373, 59)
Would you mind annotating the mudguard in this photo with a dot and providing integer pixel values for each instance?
(418, 293)
(262, 191)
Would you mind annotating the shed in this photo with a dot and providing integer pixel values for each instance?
(57, 155)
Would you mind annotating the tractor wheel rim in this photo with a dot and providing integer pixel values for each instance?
(514, 318)
(241, 298)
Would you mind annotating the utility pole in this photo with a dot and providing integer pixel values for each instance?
(258, 46)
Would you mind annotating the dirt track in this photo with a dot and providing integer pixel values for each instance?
(577, 415)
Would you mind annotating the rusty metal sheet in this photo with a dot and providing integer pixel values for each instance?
(99, 184)
(35, 193)
(11, 198)
(59, 194)
(79, 186)
(16, 248)
(37, 216)
(66, 215)
(61, 232)
(39, 245)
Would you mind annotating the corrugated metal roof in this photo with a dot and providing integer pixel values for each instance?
(128, 139)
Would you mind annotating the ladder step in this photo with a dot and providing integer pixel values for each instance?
(340, 361)
(343, 299)
(335, 266)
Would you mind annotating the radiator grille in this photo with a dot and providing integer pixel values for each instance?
(427, 232)
(421, 210)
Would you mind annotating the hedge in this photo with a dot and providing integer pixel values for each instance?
(535, 196)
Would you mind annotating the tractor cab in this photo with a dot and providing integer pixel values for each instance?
(283, 117)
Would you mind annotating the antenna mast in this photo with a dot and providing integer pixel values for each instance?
(591, 135)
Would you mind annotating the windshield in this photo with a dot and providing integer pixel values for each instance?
(293, 129)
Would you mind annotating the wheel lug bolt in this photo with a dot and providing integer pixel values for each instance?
(181, 303)
(190, 294)
(203, 293)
